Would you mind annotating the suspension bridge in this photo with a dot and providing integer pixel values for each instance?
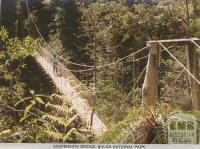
(68, 84)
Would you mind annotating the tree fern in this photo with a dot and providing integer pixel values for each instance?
(57, 97)
(58, 108)
(54, 135)
(57, 119)
(61, 115)
(72, 119)
(60, 120)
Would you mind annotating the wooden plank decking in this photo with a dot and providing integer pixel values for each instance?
(80, 104)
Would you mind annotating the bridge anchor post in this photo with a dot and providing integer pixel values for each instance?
(149, 90)
(193, 67)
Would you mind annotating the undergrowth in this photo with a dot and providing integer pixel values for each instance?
(142, 126)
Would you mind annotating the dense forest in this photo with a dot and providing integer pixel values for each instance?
(93, 33)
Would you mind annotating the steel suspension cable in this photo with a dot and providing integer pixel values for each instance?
(179, 63)
(195, 43)
(85, 70)
(77, 64)
(64, 68)
(84, 65)
(121, 59)
(98, 66)
(49, 45)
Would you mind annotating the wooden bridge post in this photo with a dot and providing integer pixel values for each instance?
(149, 91)
(193, 66)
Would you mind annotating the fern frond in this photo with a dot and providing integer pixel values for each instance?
(54, 135)
(59, 120)
(67, 136)
(53, 119)
(59, 98)
(69, 121)
(49, 127)
(5, 133)
(60, 109)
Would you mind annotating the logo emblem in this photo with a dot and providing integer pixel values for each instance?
(182, 129)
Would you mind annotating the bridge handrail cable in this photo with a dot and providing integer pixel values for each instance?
(84, 65)
(179, 63)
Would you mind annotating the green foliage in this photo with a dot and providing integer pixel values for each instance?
(117, 129)
(63, 28)
(143, 126)
(13, 54)
(194, 27)
(174, 81)
(115, 27)
(63, 118)
(56, 97)
(112, 29)
(5, 133)
(30, 102)
(140, 126)
(26, 119)
(16, 49)
(110, 102)
(34, 98)
(59, 108)
(58, 122)
(3, 34)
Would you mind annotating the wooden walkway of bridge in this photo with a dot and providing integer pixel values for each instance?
(62, 83)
